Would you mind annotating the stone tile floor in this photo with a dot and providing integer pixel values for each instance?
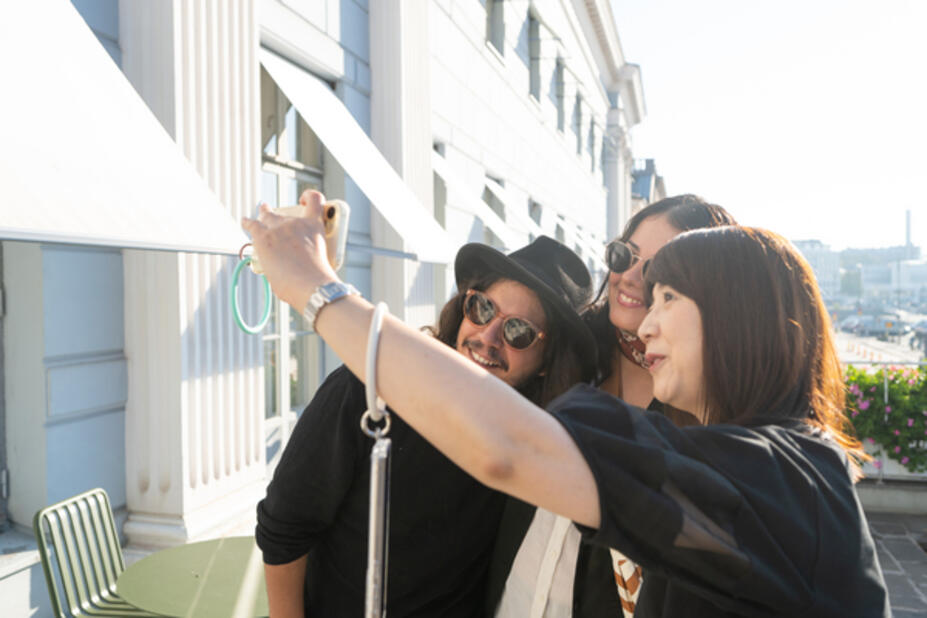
(898, 540)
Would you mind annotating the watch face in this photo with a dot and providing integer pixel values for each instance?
(333, 290)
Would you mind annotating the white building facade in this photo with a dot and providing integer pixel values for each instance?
(485, 120)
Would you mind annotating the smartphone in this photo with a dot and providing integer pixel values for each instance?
(336, 214)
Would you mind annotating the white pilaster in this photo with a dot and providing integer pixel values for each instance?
(400, 121)
(615, 216)
(194, 433)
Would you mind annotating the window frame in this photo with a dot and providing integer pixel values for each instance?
(278, 343)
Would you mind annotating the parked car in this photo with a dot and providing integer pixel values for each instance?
(848, 324)
(864, 324)
(919, 336)
(887, 325)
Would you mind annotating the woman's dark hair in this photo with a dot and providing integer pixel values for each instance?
(684, 212)
(768, 351)
(561, 366)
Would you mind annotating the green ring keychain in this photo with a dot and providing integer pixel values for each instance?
(236, 308)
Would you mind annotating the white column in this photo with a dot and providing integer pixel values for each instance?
(627, 164)
(400, 121)
(614, 176)
(194, 434)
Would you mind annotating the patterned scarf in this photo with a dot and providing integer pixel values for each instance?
(632, 347)
(628, 578)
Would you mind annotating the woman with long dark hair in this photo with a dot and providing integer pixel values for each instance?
(751, 513)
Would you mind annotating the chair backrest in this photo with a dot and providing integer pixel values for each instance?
(79, 547)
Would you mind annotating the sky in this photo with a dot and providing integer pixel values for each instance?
(805, 117)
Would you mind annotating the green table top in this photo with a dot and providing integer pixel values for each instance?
(222, 578)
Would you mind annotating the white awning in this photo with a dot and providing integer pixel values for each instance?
(82, 158)
(327, 116)
(457, 188)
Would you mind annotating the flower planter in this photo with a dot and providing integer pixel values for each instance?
(887, 407)
(891, 470)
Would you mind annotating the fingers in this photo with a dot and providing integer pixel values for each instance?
(313, 201)
(252, 226)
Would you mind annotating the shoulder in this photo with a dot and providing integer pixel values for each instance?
(341, 383)
(340, 394)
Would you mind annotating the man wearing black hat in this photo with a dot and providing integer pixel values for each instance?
(515, 316)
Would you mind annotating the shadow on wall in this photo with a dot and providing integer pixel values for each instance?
(218, 345)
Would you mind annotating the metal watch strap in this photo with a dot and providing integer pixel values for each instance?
(323, 295)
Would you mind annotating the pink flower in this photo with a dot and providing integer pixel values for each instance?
(888, 409)
(905, 460)
(897, 432)
(864, 405)
(910, 422)
(897, 449)
(872, 390)
(911, 381)
(855, 414)
(877, 464)
(871, 441)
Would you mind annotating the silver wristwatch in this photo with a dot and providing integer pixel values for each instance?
(323, 295)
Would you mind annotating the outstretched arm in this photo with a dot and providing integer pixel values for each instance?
(478, 421)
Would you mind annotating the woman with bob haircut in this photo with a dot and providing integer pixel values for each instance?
(590, 581)
(751, 513)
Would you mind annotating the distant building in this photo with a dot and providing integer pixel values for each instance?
(877, 279)
(647, 186)
(903, 279)
(824, 262)
(881, 255)
(912, 279)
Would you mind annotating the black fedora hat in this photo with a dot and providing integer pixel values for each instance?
(549, 268)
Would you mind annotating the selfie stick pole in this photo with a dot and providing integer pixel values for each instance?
(378, 524)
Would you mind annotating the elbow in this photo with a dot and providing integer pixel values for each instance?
(496, 468)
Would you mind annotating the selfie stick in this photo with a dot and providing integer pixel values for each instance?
(378, 524)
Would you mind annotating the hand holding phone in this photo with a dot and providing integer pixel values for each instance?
(336, 214)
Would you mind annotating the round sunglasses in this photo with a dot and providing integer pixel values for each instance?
(517, 333)
(619, 257)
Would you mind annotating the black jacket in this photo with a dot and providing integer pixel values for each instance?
(442, 521)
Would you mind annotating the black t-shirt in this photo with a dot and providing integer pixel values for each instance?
(727, 520)
(442, 521)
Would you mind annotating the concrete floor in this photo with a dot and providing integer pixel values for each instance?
(904, 563)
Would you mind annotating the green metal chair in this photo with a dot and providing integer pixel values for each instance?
(80, 550)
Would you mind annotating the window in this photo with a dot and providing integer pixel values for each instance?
(535, 210)
(590, 146)
(559, 233)
(497, 207)
(603, 153)
(293, 357)
(561, 104)
(495, 25)
(534, 53)
(578, 122)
